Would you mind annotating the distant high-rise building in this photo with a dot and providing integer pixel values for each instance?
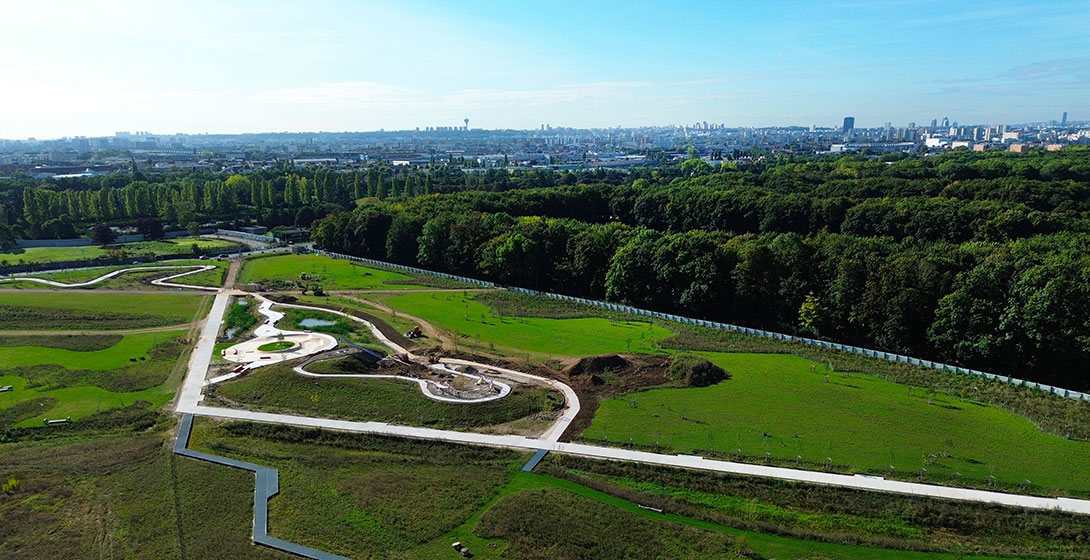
(934, 123)
(1063, 121)
(849, 124)
(946, 122)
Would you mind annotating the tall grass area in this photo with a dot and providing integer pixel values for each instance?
(373, 496)
(143, 249)
(241, 316)
(135, 280)
(93, 495)
(81, 311)
(283, 271)
(79, 376)
(277, 388)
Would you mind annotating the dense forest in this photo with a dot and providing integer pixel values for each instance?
(68, 207)
(977, 259)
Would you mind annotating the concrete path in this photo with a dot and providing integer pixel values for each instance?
(190, 396)
(860, 482)
(113, 274)
(160, 282)
(429, 388)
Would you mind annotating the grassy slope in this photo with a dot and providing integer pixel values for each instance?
(137, 249)
(118, 355)
(551, 337)
(278, 388)
(336, 274)
(80, 398)
(75, 311)
(776, 404)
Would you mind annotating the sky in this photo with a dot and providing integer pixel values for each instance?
(96, 67)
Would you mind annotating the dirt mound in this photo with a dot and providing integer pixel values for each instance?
(695, 371)
(596, 364)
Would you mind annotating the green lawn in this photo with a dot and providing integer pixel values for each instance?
(776, 405)
(182, 245)
(279, 389)
(80, 310)
(276, 346)
(139, 280)
(118, 355)
(466, 317)
(52, 382)
(334, 274)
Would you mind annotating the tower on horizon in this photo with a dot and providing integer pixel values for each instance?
(1063, 121)
(849, 124)
(467, 124)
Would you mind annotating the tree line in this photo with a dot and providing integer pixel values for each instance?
(990, 273)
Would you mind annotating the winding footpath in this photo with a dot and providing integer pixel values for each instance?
(191, 394)
(550, 440)
(165, 282)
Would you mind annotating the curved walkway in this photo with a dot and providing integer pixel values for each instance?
(428, 387)
(159, 282)
(191, 395)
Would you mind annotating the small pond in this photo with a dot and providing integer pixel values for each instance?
(311, 322)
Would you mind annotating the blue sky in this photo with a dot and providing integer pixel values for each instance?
(92, 68)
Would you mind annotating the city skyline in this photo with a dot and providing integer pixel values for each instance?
(77, 70)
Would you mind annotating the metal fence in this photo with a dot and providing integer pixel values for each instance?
(404, 268)
(740, 329)
(250, 236)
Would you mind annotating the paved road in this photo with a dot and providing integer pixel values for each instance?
(190, 396)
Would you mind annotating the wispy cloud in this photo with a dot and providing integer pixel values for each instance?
(1067, 69)
(339, 93)
(571, 93)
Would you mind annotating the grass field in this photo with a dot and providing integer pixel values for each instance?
(180, 246)
(115, 356)
(80, 311)
(476, 324)
(130, 280)
(829, 513)
(51, 382)
(122, 496)
(277, 388)
(126, 495)
(334, 274)
(375, 497)
(775, 406)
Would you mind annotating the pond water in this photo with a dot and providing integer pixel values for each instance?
(311, 322)
(229, 333)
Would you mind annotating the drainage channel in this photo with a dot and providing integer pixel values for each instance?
(266, 486)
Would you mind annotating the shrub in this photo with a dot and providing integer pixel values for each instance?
(695, 371)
